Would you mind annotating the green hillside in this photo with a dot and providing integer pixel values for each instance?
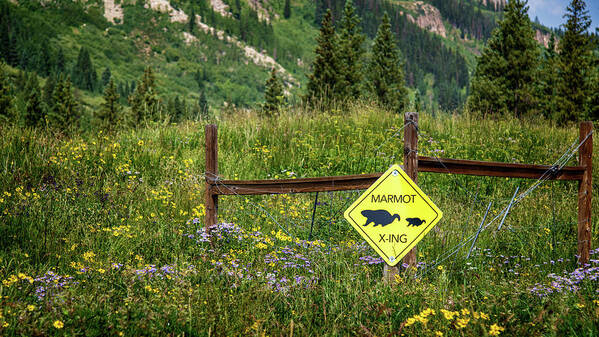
(228, 52)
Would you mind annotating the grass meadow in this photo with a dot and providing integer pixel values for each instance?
(102, 234)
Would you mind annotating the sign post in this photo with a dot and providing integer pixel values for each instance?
(394, 214)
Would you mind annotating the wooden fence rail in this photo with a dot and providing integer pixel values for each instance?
(413, 165)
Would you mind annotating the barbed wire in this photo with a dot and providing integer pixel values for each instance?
(556, 167)
(549, 173)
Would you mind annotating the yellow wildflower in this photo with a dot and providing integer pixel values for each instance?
(58, 324)
(30, 307)
(462, 322)
(449, 315)
(398, 279)
(495, 330)
(465, 312)
(427, 312)
(484, 316)
(421, 319)
(438, 334)
(89, 255)
(410, 321)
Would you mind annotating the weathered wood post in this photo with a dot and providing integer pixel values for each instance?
(411, 168)
(585, 192)
(411, 163)
(211, 202)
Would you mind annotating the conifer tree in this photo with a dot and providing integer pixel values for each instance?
(593, 101)
(548, 80)
(385, 70)
(191, 25)
(106, 75)
(5, 96)
(417, 101)
(287, 9)
(575, 52)
(324, 82)
(506, 73)
(203, 104)
(84, 74)
(34, 112)
(237, 10)
(64, 113)
(178, 110)
(274, 93)
(351, 51)
(110, 110)
(60, 61)
(21, 80)
(144, 102)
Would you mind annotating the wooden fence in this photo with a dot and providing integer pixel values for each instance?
(412, 165)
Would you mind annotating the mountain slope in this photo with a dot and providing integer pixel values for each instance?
(226, 48)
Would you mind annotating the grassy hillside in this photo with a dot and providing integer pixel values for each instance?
(102, 234)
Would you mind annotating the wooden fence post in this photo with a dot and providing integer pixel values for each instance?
(211, 198)
(585, 192)
(411, 163)
(411, 168)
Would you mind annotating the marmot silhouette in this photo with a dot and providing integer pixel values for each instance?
(379, 217)
(415, 222)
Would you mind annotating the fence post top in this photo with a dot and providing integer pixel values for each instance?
(411, 114)
(586, 123)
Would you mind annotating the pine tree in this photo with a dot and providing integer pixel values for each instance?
(64, 113)
(191, 25)
(237, 10)
(351, 51)
(110, 110)
(548, 80)
(505, 78)
(385, 70)
(417, 101)
(287, 9)
(178, 111)
(324, 82)
(203, 104)
(575, 52)
(5, 95)
(84, 74)
(34, 112)
(274, 93)
(144, 102)
(60, 61)
(106, 75)
(593, 101)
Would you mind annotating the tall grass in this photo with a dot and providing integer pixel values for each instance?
(101, 233)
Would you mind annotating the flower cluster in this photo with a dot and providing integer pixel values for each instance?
(569, 281)
(457, 320)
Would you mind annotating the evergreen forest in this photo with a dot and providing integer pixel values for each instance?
(170, 61)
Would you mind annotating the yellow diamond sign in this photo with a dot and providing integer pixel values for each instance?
(393, 215)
